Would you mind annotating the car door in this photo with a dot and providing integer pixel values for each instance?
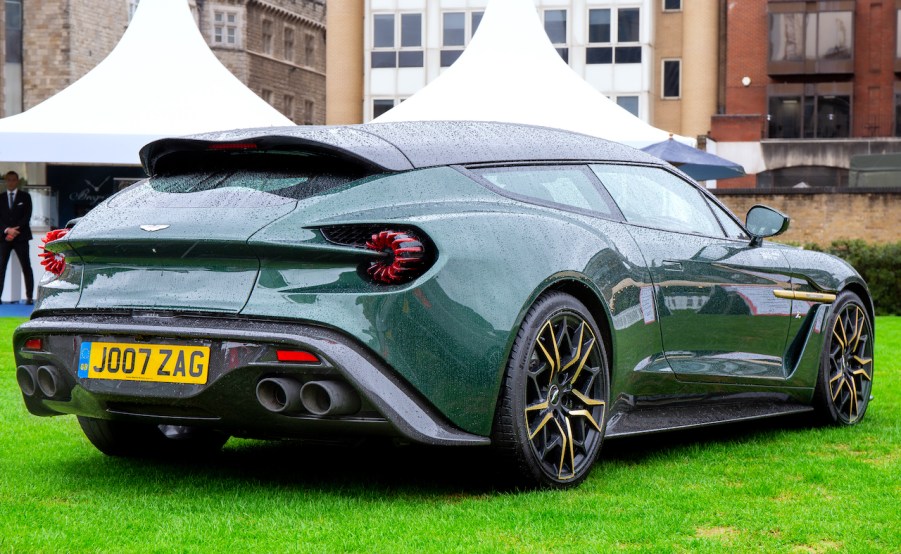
(719, 319)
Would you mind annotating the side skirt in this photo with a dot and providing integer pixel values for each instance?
(656, 419)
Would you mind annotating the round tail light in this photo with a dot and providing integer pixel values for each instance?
(405, 258)
(52, 262)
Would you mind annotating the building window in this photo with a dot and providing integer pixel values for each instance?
(811, 42)
(289, 43)
(380, 106)
(225, 28)
(672, 79)
(308, 110)
(456, 31)
(309, 49)
(820, 116)
(13, 28)
(602, 48)
(555, 27)
(628, 103)
(672, 5)
(397, 40)
(897, 114)
(267, 37)
(288, 105)
(266, 95)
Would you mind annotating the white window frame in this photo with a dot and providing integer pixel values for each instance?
(222, 42)
(567, 32)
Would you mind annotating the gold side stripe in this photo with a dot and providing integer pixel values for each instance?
(821, 297)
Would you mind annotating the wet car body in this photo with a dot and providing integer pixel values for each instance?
(267, 278)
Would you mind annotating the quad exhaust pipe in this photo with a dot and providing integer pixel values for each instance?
(46, 381)
(283, 395)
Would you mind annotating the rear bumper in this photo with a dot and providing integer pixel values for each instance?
(242, 354)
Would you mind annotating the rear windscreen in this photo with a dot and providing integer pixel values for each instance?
(220, 179)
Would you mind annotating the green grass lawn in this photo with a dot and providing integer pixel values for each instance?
(775, 486)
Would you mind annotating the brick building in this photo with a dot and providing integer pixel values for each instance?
(275, 47)
(810, 94)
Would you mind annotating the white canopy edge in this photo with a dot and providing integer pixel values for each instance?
(160, 80)
(510, 72)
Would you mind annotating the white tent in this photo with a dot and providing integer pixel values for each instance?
(511, 72)
(160, 80)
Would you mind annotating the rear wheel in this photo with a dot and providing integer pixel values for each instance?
(551, 414)
(145, 440)
(846, 366)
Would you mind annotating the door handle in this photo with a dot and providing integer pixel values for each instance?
(672, 265)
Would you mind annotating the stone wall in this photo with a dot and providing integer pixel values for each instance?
(824, 217)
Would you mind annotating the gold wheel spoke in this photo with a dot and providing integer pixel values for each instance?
(838, 390)
(584, 360)
(563, 448)
(862, 372)
(578, 349)
(587, 415)
(858, 328)
(539, 406)
(837, 337)
(541, 424)
(587, 401)
(852, 402)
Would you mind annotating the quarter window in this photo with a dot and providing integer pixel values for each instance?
(655, 198)
(569, 186)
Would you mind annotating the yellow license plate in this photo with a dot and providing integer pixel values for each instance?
(159, 363)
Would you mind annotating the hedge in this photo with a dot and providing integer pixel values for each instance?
(878, 264)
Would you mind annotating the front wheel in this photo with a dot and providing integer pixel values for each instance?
(846, 365)
(551, 415)
(145, 440)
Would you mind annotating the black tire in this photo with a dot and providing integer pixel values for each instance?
(551, 415)
(145, 440)
(845, 378)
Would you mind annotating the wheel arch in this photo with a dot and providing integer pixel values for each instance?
(861, 290)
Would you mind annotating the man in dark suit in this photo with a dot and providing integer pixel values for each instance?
(15, 214)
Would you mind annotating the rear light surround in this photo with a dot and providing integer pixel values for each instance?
(406, 252)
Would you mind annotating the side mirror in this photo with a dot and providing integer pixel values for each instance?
(763, 221)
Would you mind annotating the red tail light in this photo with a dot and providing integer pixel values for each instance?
(406, 257)
(54, 263)
(296, 356)
(34, 344)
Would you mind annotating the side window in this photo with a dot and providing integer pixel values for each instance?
(569, 185)
(733, 229)
(656, 198)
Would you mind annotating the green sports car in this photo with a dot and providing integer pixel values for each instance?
(523, 289)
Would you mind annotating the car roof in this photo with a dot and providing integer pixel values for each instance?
(407, 145)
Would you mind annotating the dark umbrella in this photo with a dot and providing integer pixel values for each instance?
(697, 164)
